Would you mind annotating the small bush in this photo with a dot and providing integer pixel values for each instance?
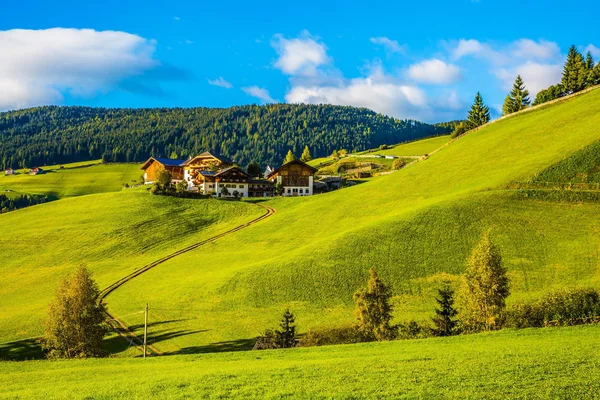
(383, 147)
(413, 330)
(564, 307)
(399, 163)
(328, 336)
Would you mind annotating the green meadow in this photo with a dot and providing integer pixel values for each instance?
(416, 148)
(416, 227)
(548, 363)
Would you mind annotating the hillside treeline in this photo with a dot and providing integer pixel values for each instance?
(51, 134)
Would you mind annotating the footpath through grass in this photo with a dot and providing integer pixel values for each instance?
(544, 363)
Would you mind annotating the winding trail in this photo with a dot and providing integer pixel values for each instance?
(118, 325)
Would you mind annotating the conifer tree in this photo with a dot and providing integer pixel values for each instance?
(289, 157)
(479, 114)
(306, 156)
(520, 95)
(486, 286)
(591, 70)
(373, 310)
(286, 337)
(253, 169)
(508, 106)
(574, 76)
(74, 326)
(445, 316)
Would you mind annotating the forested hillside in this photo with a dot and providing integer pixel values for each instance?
(50, 135)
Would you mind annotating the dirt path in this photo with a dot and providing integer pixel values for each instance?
(118, 325)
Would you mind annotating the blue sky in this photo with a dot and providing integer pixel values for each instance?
(422, 60)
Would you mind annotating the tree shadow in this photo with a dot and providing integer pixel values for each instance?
(227, 346)
(21, 350)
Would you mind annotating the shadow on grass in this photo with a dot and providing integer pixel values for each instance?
(20, 350)
(233, 345)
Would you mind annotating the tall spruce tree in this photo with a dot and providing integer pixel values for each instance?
(286, 336)
(479, 114)
(590, 68)
(575, 75)
(289, 157)
(306, 156)
(486, 286)
(74, 327)
(445, 316)
(373, 309)
(520, 95)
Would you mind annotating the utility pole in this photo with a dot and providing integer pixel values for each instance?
(145, 327)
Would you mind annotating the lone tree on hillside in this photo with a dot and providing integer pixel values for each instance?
(163, 178)
(306, 156)
(445, 317)
(575, 75)
(289, 157)
(254, 169)
(286, 336)
(519, 95)
(74, 326)
(373, 310)
(486, 286)
(479, 114)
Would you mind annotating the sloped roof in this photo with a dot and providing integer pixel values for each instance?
(218, 156)
(229, 169)
(168, 162)
(296, 161)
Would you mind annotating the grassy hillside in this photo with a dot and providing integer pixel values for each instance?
(112, 234)
(529, 364)
(75, 179)
(415, 226)
(416, 148)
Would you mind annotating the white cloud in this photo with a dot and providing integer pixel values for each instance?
(536, 76)
(40, 65)
(177, 18)
(527, 48)
(390, 45)
(377, 92)
(260, 93)
(299, 56)
(592, 49)
(467, 47)
(220, 82)
(434, 71)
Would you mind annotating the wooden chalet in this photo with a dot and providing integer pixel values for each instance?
(156, 164)
(36, 171)
(261, 188)
(296, 177)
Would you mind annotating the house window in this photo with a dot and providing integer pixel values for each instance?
(241, 186)
(301, 191)
(289, 191)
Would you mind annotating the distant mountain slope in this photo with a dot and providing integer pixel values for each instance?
(49, 135)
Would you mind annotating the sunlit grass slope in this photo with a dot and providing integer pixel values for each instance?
(416, 148)
(74, 180)
(561, 363)
(112, 234)
(415, 226)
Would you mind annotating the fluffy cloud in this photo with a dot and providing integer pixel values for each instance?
(40, 65)
(260, 93)
(535, 75)
(220, 82)
(434, 71)
(526, 48)
(390, 45)
(299, 56)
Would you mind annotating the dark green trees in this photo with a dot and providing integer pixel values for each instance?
(479, 114)
(445, 316)
(575, 74)
(74, 326)
(254, 169)
(286, 335)
(517, 99)
(373, 309)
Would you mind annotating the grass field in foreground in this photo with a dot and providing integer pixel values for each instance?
(112, 234)
(75, 179)
(560, 363)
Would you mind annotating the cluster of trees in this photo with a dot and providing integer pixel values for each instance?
(517, 99)
(578, 74)
(21, 201)
(53, 135)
